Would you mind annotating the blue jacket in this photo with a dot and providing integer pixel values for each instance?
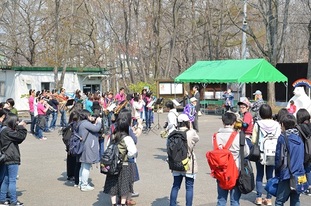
(296, 151)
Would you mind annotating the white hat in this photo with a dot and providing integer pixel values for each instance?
(193, 99)
(183, 118)
(257, 92)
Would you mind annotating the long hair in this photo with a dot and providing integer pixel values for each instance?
(11, 120)
(123, 123)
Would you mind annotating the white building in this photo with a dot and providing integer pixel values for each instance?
(15, 82)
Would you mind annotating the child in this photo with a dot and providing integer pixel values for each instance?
(292, 107)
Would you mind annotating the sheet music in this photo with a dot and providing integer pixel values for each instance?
(176, 103)
(150, 103)
(111, 107)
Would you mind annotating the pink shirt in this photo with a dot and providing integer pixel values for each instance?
(30, 101)
(119, 97)
(40, 109)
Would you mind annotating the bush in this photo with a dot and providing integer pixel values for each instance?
(140, 86)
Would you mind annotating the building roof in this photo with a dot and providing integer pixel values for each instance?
(69, 69)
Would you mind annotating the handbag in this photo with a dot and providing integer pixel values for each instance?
(254, 154)
(272, 186)
(246, 180)
(298, 183)
(164, 134)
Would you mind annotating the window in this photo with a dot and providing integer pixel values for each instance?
(45, 85)
(2, 89)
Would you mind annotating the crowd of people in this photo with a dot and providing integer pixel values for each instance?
(103, 118)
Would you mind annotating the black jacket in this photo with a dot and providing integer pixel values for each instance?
(10, 139)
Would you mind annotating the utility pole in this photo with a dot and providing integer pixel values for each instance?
(244, 48)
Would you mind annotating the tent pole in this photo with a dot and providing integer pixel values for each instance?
(286, 85)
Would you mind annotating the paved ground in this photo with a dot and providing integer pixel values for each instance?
(42, 177)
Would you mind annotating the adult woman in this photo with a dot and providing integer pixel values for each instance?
(268, 125)
(42, 108)
(303, 120)
(121, 185)
(31, 101)
(90, 155)
(11, 136)
(192, 139)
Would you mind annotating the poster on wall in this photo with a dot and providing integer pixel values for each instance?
(170, 88)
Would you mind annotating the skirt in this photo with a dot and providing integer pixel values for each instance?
(121, 184)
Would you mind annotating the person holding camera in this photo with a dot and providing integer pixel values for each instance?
(247, 120)
(228, 97)
(11, 136)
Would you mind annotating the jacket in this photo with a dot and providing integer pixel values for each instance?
(192, 139)
(10, 139)
(296, 151)
(223, 136)
(172, 120)
(267, 125)
(89, 134)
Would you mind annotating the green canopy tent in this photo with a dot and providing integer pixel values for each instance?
(232, 71)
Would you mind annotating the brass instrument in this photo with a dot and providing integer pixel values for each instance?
(120, 107)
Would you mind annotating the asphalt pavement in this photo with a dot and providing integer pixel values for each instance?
(43, 181)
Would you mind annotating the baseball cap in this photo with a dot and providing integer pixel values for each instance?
(193, 99)
(183, 118)
(245, 102)
(257, 92)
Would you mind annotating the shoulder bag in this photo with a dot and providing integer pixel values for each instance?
(254, 154)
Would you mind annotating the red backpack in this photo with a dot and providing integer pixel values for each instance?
(222, 164)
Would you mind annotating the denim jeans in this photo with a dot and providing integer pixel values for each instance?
(101, 147)
(2, 173)
(53, 121)
(148, 113)
(63, 118)
(47, 118)
(259, 176)
(39, 132)
(284, 192)
(33, 122)
(235, 195)
(176, 187)
(9, 183)
(84, 173)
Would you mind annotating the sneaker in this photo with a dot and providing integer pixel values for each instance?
(258, 201)
(43, 138)
(17, 203)
(135, 194)
(7, 202)
(87, 188)
(78, 186)
(308, 192)
(267, 202)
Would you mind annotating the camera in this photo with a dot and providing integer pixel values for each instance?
(26, 121)
(165, 125)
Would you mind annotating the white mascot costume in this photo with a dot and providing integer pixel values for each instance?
(300, 99)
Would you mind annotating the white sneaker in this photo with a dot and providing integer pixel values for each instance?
(87, 188)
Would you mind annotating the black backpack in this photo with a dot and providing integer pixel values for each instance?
(177, 151)
(112, 160)
(66, 134)
(305, 134)
(246, 180)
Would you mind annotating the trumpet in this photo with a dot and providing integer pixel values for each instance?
(120, 107)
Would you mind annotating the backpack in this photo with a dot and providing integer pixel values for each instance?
(222, 163)
(75, 144)
(66, 135)
(112, 160)
(177, 151)
(305, 134)
(246, 180)
(267, 144)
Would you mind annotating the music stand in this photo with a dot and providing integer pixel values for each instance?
(157, 103)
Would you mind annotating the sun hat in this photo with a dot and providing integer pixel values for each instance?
(245, 102)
